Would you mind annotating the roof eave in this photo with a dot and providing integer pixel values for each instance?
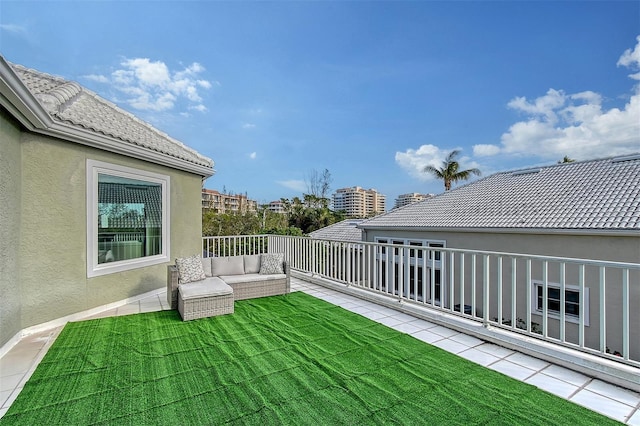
(538, 231)
(24, 106)
(19, 101)
(110, 144)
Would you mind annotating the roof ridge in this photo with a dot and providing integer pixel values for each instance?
(70, 102)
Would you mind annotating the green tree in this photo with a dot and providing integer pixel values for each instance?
(450, 171)
(566, 160)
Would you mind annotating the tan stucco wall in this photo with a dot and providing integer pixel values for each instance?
(611, 248)
(10, 184)
(52, 268)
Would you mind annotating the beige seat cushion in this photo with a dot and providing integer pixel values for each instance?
(234, 279)
(213, 286)
(232, 265)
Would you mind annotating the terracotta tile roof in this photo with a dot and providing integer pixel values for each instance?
(595, 195)
(345, 230)
(68, 102)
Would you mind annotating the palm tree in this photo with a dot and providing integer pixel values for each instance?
(566, 160)
(449, 171)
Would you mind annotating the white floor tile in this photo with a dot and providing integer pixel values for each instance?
(552, 385)
(407, 327)
(373, 315)
(602, 404)
(467, 340)
(478, 357)
(423, 324)
(495, 350)
(450, 346)
(443, 331)
(427, 336)
(634, 420)
(403, 317)
(566, 375)
(512, 370)
(614, 392)
(389, 321)
(8, 383)
(528, 361)
(4, 395)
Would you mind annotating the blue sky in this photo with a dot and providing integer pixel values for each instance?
(371, 91)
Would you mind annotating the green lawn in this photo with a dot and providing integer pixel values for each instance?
(289, 359)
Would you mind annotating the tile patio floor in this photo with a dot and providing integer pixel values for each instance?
(623, 405)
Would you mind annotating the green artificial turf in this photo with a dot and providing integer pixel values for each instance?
(289, 359)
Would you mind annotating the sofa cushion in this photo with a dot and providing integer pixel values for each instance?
(212, 286)
(190, 269)
(251, 263)
(206, 266)
(271, 263)
(232, 265)
(236, 279)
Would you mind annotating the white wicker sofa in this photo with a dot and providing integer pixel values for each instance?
(224, 280)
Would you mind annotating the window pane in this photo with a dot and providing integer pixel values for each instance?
(572, 309)
(129, 218)
(572, 296)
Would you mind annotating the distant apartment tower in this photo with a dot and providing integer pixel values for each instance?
(276, 206)
(413, 197)
(226, 203)
(359, 202)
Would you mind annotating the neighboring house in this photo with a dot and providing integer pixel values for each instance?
(346, 230)
(587, 210)
(94, 203)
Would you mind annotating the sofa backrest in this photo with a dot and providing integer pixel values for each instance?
(232, 265)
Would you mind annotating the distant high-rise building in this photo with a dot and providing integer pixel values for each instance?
(227, 203)
(359, 202)
(276, 206)
(413, 197)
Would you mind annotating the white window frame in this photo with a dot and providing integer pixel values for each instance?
(535, 284)
(94, 269)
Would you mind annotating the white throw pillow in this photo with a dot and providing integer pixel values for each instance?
(190, 269)
(271, 263)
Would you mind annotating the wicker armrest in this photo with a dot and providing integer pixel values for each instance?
(172, 286)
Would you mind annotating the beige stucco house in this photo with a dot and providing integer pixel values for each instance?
(94, 203)
(585, 210)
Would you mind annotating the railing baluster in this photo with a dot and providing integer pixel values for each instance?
(500, 272)
(603, 311)
(625, 314)
(485, 291)
(545, 297)
(528, 292)
(563, 300)
(473, 284)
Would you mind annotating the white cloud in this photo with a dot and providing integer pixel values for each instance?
(248, 126)
(96, 78)
(296, 185)
(485, 150)
(414, 161)
(575, 125)
(151, 85)
(253, 155)
(631, 59)
(18, 30)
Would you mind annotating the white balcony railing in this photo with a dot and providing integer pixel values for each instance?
(583, 304)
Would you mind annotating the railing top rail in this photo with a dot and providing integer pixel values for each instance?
(590, 262)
